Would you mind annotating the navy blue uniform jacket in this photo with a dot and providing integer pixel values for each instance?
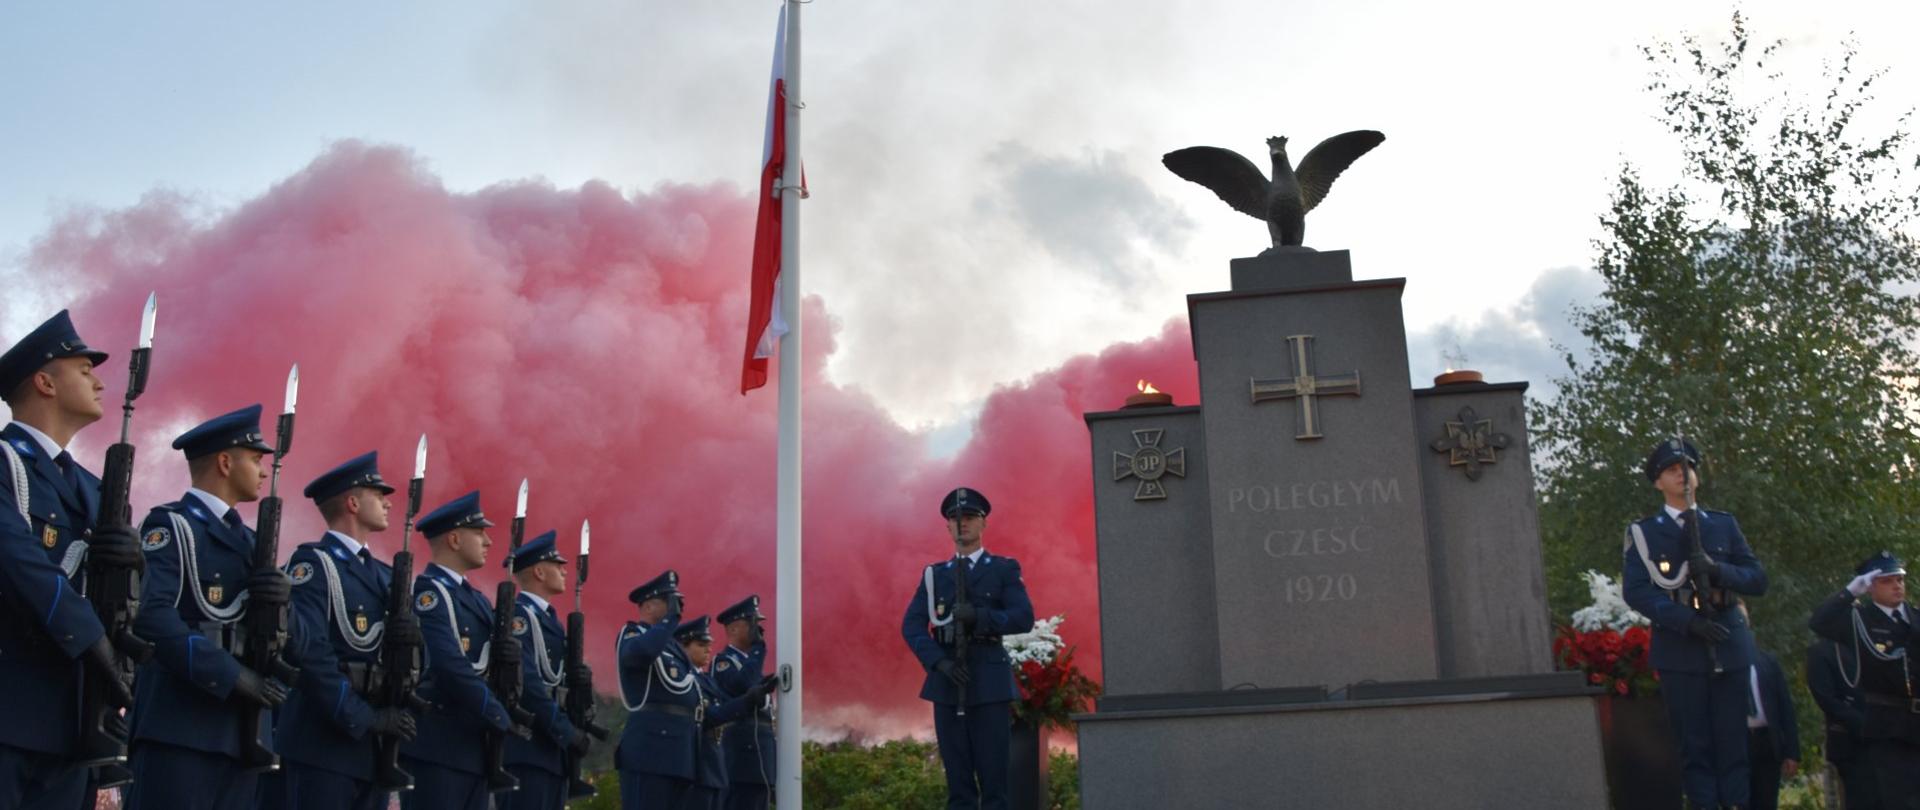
(456, 622)
(47, 622)
(324, 722)
(1673, 649)
(996, 591)
(655, 672)
(748, 742)
(183, 695)
(541, 637)
(1834, 619)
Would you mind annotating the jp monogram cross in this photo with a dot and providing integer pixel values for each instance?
(1149, 464)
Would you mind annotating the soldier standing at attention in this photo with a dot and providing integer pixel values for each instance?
(448, 756)
(748, 743)
(1875, 635)
(1702, 647)
(968, 601)
(48, 631)
(187, 739)
(541, 573)
(326, 730)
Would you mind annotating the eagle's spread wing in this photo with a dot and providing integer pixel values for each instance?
(1231, 176)
(1317, 172)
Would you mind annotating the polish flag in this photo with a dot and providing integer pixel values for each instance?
(765, 322)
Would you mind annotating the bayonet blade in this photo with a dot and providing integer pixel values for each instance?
(586, 533)
(420, 459)
(520, 507)
(146, 321)
(293, 387)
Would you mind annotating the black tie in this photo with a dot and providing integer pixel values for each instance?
(366, 560)
(233, 520)
(67, 471)
(553, 614)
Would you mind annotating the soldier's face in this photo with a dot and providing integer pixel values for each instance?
(966, 529)
(1889, 591)
(551, 576)
(472, 545)
(1674, 480)
(75, 390)
(247, 471)
(653, 610)
(699, 652)
(372, 508)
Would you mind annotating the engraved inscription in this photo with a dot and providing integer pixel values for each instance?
(1322, 588)
(1313, 495)
(1320, 542)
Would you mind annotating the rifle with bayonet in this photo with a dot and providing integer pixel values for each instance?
(114, 591)
(578, 700)
(962, 633)
(264, 627)
(1698, 579)
(400, 643)
(503, 667)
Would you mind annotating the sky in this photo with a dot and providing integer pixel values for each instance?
(988, 222)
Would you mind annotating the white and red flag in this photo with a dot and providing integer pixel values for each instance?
(765, 321)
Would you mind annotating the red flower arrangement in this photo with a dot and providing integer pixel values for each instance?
(1051, 693)
(1613, 660)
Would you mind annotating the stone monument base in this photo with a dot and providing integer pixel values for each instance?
(1522, 741)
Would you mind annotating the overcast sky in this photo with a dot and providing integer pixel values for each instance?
(987, 199)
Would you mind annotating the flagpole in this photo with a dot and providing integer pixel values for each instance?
(787, 794)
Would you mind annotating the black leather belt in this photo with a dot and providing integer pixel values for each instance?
(1909, 704)
(674, 709)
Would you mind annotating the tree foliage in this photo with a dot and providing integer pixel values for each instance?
(1762, 302)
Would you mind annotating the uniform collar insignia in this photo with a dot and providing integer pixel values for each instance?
(25, 447)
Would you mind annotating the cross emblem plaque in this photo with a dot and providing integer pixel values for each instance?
(1305, 387)
(1470, 443)
(1149, 464)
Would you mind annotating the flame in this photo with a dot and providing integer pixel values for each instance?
(1146, 387)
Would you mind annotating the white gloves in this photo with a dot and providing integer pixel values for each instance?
(1860, 584)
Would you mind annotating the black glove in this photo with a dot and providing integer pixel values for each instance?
(264, 692)
(675, 603)
(581, 677)
(506, 654)
(269, 588)
(953, 672)
(579, 744)
(965, 613)
(765, 687)
(1702, 627)
(1703, 565)
(115, 547)
(394, 722)
(102, 671)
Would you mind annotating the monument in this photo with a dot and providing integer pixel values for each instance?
(1334, 594)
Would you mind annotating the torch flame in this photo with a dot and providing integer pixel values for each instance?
(1146, 387)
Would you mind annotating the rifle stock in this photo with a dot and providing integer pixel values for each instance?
(579, 704)
(265, 631)
(400, 662)
(506, 683)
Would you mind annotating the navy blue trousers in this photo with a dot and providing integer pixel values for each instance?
(539, 790)
(437, 787)
(298, 786)
(974, 751)
(1709, 717)
(32, 780)
(651, 791)
(168, 777)
(745, 796)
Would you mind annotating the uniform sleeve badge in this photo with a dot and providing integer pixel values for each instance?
(724, 665)
(519, 625)
(426, 601)
(302, 572)
(155, 540)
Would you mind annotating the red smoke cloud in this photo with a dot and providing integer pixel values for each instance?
(588, 340)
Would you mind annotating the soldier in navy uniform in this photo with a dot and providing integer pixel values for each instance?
(719, 712)
(189, 699)
(538, 761)
(326, 730)
(657, 686)
(448, 757)
(972, 697)
(1877, 633)
(1708, 708)
(748, 742)
(48, 631)
(1836, 689)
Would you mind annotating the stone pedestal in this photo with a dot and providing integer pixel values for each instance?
(1338, 598)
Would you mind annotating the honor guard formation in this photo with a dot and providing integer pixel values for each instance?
(183, 664)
